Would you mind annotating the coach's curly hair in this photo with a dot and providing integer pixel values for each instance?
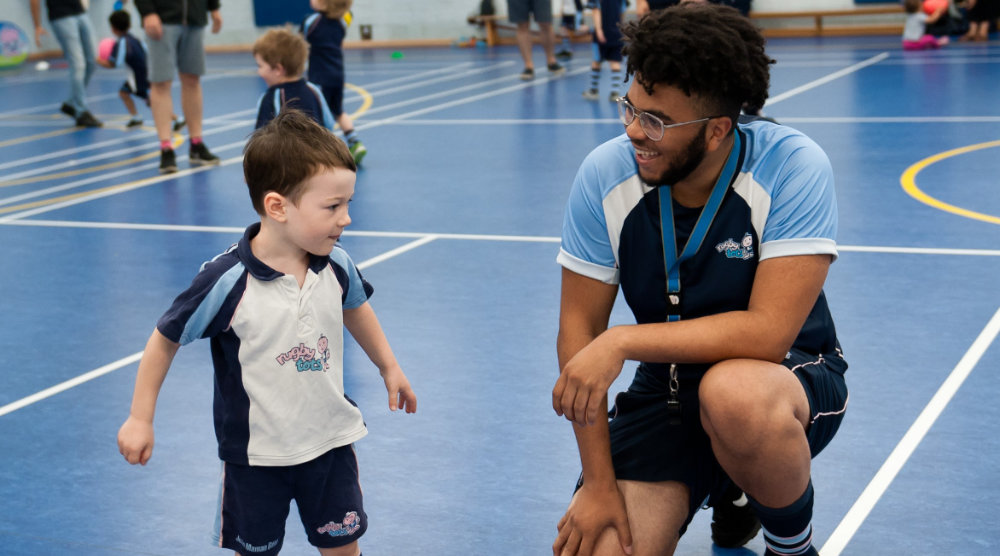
(707, 50)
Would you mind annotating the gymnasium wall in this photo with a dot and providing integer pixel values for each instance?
(389, 19)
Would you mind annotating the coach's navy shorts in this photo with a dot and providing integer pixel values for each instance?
(606, 52)
(646, 447)
(254, 503)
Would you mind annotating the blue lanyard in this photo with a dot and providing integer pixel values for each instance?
(671, 261)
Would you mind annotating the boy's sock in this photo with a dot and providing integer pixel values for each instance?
(788, 530)
(350, 136)
(616, 82)
(595, 78)
(166, 146)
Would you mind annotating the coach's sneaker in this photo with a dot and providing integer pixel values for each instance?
(200, 156)
(86, 119)
(734, 522)
(168, 161)
(358, 151)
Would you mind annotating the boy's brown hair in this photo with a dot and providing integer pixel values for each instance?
(283, 47)
(286, 152)
(334, 9)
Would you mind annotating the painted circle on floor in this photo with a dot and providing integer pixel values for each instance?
(909, 182)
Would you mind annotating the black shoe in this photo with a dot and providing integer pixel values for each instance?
(556, 69)
(134, 122)
(734, 522)
(564, 55)
(168, 161)
(200, 156)
(178, 124)
(68, 110)
(86, 119)
(528, 74)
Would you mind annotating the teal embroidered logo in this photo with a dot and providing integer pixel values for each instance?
(742, 250)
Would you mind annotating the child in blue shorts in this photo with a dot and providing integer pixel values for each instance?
(281, 58)
(130, 51)
(325, 31)
(274, 306)
(607, 44)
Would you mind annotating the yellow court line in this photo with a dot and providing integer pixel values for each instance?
(366, 98)
(909, 182)
(178, 139)
(38, 136)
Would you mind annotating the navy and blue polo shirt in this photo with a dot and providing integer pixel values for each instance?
(277, 349)
(301, 95)
(326, 56)
(780, 203)
(131, 52)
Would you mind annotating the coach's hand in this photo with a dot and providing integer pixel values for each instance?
(585, 380)
(594, 509)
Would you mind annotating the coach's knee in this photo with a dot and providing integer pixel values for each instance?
(736, 411)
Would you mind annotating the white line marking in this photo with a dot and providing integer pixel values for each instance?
(878, 485)
(835, 75)
(63, 386)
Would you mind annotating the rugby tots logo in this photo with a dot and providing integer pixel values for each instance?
(346, 528)
(307, 358)
(742, 250)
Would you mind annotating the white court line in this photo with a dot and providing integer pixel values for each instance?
(887, 473)
(101, 371)
(823, 80)
(438, 235)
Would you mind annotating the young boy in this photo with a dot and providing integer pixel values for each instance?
(274, 306)
(129, 51)
(570, 22)
(325, 31)
(607, 45)
(281, 56)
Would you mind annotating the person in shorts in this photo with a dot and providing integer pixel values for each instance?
(719, 235)
(520, 13)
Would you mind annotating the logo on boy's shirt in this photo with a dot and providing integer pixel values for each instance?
(348, 527)
(733, 250)
(307, 358)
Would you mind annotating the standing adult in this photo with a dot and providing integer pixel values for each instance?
(520, 13)
(175, 31)
(720, 236)
(72, 29)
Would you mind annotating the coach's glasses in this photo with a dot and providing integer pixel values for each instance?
(651, 125)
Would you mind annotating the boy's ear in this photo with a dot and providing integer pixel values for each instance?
(275, 206)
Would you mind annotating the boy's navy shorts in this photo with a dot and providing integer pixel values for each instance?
(334, 96)
(646, 447)
(254, 501)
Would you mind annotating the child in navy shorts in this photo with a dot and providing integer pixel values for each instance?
(607, 45)
(130, 51)
(274, 306)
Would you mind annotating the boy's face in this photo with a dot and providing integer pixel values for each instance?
(272, 75)
(316, 222)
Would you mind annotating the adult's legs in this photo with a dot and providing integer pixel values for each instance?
(68, 32)
(524, 41)
(548, 42)
(191, 102)
(161, 103)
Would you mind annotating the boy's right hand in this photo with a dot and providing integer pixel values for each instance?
(135, 440)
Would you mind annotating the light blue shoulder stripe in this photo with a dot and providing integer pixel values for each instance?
(209, 307)
(328, 121)
(356, 295)
(122, 47)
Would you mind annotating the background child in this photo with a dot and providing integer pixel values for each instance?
(281, 57)
(275, 305)
(570, 23)
(915, 35)
(325, 32)
(130, 51)
(607, 45)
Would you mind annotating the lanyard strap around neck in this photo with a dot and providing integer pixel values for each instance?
(671, 261)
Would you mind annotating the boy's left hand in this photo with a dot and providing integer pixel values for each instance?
(401, 395)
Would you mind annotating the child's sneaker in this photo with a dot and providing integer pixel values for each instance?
(178, 124)
(527, 74)
(556, 69)
(591, 94)
(564, 54)
(134, 122)
(68, 110)
(168, 161)
(358, 151)
(200, 155)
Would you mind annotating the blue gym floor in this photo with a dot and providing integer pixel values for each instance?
(456, 222)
